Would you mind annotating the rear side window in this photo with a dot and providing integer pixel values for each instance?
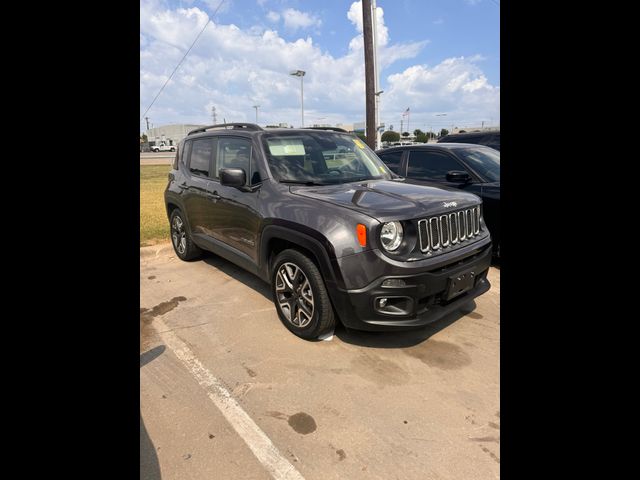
(392, 160)
(200, 158)
(186, 150)
(175, 160)
(431, 165)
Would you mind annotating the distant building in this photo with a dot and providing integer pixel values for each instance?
(169, 134)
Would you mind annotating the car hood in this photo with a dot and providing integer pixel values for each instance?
(385, 199)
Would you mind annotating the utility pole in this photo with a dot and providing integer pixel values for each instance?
(147, 119)
(369, 74)
(213, 114)
(376, 90)
(256, 107)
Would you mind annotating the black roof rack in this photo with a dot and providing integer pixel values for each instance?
(334, 129)
(240, 126)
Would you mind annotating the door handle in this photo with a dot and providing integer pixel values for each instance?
(183, 185)
(213, 196)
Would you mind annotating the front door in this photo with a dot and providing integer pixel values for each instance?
(238, 219)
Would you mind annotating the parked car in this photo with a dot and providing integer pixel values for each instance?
(489, 139)
(472, 168)
(338, 236)
(163, 148)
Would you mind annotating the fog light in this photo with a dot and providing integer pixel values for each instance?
(394, 282)
(382, 302)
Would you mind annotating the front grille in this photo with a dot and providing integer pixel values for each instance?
(446, 230)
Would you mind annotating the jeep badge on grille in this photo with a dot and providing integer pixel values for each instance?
(449, 204)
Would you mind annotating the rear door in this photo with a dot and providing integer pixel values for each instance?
(194, 188)
(393, 160)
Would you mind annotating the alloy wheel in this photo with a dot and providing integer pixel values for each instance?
(178, 235)
(295, 295)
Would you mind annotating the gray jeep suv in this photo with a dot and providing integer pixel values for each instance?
(337, 235)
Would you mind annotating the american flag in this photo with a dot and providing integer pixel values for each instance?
(406, 112)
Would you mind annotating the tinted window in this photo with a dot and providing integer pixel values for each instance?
(186, 150)
(485, 161)
(201, 151)
(177, 157)
(431, 165)
(392, 160)
(233, 152)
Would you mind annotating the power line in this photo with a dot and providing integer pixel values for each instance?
(185, 56)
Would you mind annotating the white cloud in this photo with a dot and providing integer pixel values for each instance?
(438, 21)
(273, 16)
(295, 19)
(235, 68)
(456, 86)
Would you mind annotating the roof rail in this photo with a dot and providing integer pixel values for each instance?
(239, 126)
(334, 129)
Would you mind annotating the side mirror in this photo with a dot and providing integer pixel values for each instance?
(458, 176)
(232, 177)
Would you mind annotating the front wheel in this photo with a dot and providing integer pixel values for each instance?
(301, 298)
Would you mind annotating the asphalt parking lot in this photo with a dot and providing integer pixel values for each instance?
(227, 392)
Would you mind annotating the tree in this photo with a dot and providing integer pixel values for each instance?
(144, 138)
(444, 132)
(390, 136)
(422, 137)
(417, 132)
(362, 136)
(405, 134)
(462, 131)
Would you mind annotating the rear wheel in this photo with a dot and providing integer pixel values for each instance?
(180, 238)
(301, 298)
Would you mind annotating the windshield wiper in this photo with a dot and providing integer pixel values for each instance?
(303, 182)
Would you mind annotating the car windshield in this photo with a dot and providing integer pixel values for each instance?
(485, 161)
(322, 158)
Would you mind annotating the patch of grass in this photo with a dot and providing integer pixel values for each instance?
(154, 225)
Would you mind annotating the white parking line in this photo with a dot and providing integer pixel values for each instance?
(261, 446)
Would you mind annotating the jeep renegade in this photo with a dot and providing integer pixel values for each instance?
(337, 235)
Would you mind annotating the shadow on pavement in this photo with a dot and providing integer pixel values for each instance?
(401, 339)
(150, 355)
(249, 279)
(389, 339)
(149, 465)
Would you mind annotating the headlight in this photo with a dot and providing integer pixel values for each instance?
(391, 236)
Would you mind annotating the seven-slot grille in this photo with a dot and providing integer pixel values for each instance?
(449, 229)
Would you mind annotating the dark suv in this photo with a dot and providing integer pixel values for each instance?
(315, 213)
(489, 139)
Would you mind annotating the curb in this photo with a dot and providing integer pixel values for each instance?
(155, 250)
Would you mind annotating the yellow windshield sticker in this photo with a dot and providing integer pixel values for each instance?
(358, 142)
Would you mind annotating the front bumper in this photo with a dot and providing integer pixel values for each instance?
(426, 293)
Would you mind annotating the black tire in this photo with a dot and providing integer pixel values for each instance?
(181, 239)
(322, 319)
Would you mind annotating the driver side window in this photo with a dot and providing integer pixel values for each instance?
(434, 166)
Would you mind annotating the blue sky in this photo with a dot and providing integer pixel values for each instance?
(435, 56)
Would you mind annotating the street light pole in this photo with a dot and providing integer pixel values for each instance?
(256, 107)
(300, 73)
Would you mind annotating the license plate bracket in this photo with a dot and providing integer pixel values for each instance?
(460, 283)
